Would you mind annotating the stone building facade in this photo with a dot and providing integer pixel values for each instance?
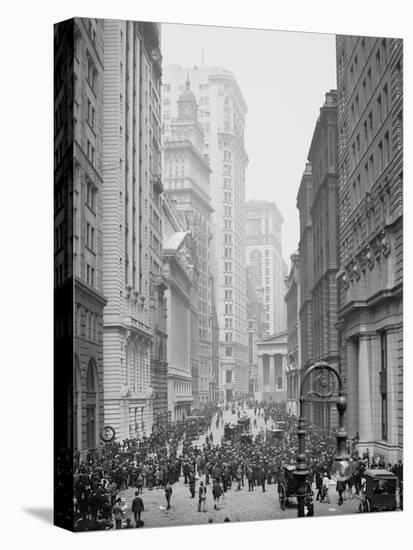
(87, 249)
(64, 365)
(256, 317)
(221, 113)
(186, 180)
(180, 275)
(272, 368)
(292, 299)
(306, 259)
(132, 238)
(264, 259)
(324, 220)
(370, 163)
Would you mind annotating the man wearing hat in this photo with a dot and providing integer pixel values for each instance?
(117, 514)
(137, 508)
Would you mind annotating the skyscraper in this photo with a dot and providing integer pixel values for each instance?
(264, 259)
(370, 165)
(222, 110)
(87, 250)
(186, 180)
(134, 324)
(324, 215)
(306, 259)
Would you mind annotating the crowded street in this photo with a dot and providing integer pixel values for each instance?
(215, 477)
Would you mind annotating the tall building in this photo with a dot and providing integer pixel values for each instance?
(256, 318)
(132, 229)
(221, 113)
(87, 231)
(181, 275)
(370, 164)
(306, 261)
(64, 372)
(324, 221)
(264, 257)
(292, 299)
(186, 180)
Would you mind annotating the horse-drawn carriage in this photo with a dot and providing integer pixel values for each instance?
(241, 431)
(274, 434)
(378, 492)
(287, 485)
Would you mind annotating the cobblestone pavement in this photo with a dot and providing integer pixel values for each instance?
(236, 505)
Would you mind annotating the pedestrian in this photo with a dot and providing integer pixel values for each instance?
(139, 483)
(192, 484)
(326, 485)
(137, 508)
(118, 514)
(340, 487)
(319, 485)
(239, 477)
(168, 494)
(216, 492)
(186, 471)
(263, 477)
(202, 497)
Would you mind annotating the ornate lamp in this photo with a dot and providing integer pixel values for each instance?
(322, 390)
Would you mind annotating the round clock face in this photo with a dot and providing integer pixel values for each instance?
(107, 434)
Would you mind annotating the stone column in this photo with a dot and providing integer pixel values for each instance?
(351, 387)
(273, 387)
(393, 404)
(365, 390)
(260, 372)
(284, 373)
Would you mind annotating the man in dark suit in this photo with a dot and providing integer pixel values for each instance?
(137, 508)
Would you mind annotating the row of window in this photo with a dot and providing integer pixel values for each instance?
(372, 170)
(87, 323)
(380, 61)
(59, 238)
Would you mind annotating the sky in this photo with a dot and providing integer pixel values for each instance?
(283, 77)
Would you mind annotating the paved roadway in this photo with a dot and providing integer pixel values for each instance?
(236, 505)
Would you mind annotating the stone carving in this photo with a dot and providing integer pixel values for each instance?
(369, 257)
(384, 244)
(345, 280)
(356, 269)
(125, 391)
(185, 258)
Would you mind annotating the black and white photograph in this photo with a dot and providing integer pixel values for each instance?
(228, 274)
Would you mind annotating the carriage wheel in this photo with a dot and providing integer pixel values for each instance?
(282, 496)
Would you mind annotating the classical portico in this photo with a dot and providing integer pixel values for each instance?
(272, 368)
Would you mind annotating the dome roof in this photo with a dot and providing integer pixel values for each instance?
(187, 94)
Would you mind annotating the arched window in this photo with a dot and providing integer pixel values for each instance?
(77, 406)
(91, 404)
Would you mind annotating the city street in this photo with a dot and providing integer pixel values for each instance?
(235, 505)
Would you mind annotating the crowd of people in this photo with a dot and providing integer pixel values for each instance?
(167, 456)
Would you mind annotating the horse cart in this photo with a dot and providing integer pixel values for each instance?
(378, 492)
(287, 486)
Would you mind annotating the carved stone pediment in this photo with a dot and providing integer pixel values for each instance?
(185, 259)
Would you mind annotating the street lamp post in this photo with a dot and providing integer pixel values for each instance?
(322, 390)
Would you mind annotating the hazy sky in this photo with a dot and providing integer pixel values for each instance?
(283, 77)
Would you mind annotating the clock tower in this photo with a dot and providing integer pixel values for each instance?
(187, 104)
